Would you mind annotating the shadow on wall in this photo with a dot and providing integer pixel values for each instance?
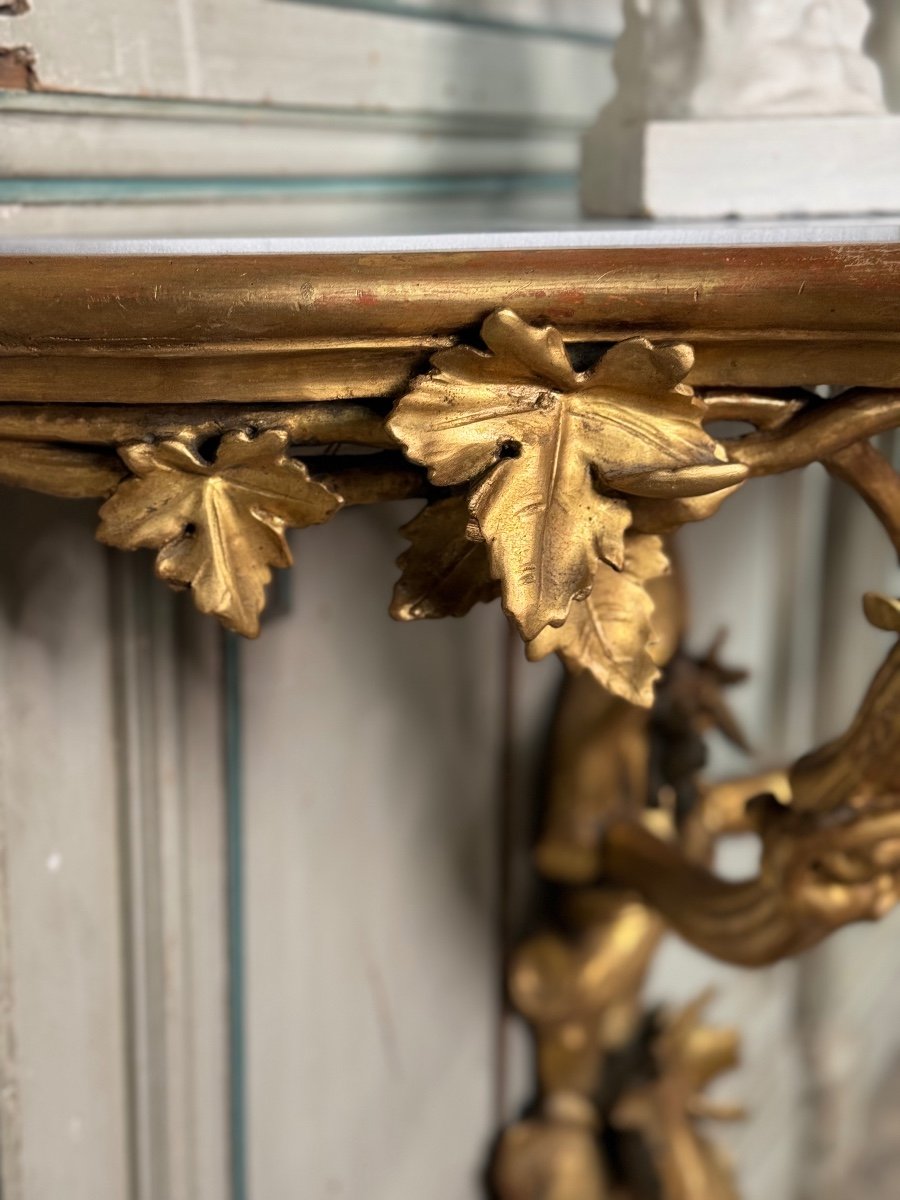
(878, 1168)
(884, 46)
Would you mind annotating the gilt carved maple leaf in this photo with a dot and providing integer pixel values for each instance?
(610, 633)
(218, 526)
(554, 454)
(444, 573)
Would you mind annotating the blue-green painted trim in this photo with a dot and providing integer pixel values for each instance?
(157, 190)
(446, 16)
(237, 1116)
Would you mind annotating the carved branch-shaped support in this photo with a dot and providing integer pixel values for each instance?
(552, 478)
(548, 484)
(831, 855)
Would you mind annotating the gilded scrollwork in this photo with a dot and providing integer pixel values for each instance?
(621, 1086)
(555, 1155)
(639, 1135)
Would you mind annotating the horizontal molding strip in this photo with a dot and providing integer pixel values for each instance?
(228, 221)
(103, 148)
(576, 336)
(320, 327)
(337, 119)
(580, 25)
(38, 190)
(384, 295)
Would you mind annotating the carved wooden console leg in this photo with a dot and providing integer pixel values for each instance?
(620, 1085)
(628, 832)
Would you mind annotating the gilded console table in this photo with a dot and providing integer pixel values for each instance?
(555, 403)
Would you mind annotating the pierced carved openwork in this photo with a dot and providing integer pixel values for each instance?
(555, 462)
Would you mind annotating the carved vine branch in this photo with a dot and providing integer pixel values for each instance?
(547, 485)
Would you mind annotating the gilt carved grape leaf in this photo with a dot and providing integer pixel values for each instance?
(444, 573)
(553, 454)
(610, 633)
(218, 526)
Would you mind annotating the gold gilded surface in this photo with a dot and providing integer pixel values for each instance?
(830, 841)
(74, 474)
(620, 1081)
(686, 1057)
(444, 572)
(630, 824)
(553, 459)
(554, 410)
(546, 481)
(569, 425)
(611, 632)
(555, 1158)
(280, 328)
(217, 523)
(553, 454)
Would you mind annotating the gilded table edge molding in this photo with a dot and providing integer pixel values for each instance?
(278, 328)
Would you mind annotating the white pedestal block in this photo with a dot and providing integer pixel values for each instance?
(745, 166)
(744, 108)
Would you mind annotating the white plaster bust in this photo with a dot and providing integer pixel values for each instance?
(730, 58)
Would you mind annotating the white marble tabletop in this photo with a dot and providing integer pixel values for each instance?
(595, 235)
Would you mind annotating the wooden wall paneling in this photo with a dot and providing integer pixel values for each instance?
(203, 921)
(170, 743)
(64, 1086)
(181, 118)
(756, 569)
(534, 688)
(47, 137)
(113, 953)
(239, 52)
(162, 211)
(370, 780)
(849, 986)
(600, 18)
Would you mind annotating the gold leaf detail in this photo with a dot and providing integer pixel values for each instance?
(218, 526)
(444, 573)
(554, 454)
(610, 633)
